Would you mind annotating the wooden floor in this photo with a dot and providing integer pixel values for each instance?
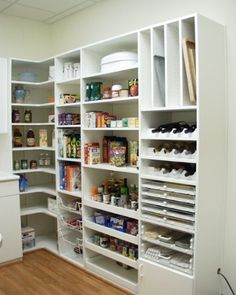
(42, 273)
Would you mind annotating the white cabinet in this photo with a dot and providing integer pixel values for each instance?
(10, 245)
(182, 172)
(159, 280)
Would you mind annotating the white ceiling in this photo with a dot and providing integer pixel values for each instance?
(47, 11)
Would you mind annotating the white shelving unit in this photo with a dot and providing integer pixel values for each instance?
(103, 261)
(37, 96)
(180, 196)
(174, 208)
(70, 239)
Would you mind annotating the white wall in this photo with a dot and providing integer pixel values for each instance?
(21, 38)
(24, 38)
(112, 17)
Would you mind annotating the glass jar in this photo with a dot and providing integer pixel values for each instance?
(30, 138)
(106, 92)
(28, 116)
(17, 138)
(41, 159)
(33, 164)
(15, 116)
(16, 165)
(47, 160)
(24, 164)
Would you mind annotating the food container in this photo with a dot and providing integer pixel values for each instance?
(124, 93)
(118, 61)
(115, 90)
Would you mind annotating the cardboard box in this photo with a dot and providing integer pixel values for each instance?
(43, 137)
(28, 237)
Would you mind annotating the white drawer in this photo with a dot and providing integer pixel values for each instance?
(9, 188)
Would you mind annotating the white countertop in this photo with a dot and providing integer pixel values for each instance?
(4, 176)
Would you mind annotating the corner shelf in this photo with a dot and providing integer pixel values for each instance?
(45, 188)
(37, 210)
(38, 170)
(36, 148)
(34, 105)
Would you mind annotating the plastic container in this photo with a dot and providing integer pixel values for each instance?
(115, 90)
(118, 61)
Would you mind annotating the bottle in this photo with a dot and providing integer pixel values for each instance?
(17, 138)
(94, 193)
(41, 159)
(15, 116)
(124, 195)
(53, 138)
(78, 147)
(28, 116)
(100, 194)
(106, 195)
(47, 160)
(73, 147)
(30, 138)
(68, 147)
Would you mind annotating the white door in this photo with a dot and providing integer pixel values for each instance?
(10, 230)
(157, 280)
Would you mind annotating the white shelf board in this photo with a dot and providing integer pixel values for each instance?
(36, 148)
(111, 232)
(106, 166)
(34, 105)
(169, 159)
(109, 128)
(43, 188)
(45, 241)
(169, 179)
(111, 254)
(47, 83)
(110, 208)
(167, 265)
(169, 109)
(37, 210)
(33, 124)
(43, 170)
(69, 159)
(123, 73)
(166, 223)
(118, 100)
(72, 81)
(168, 246)
(76, 194)
(107, 268)
(66, 105)
(169, 138)
(68, 126)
